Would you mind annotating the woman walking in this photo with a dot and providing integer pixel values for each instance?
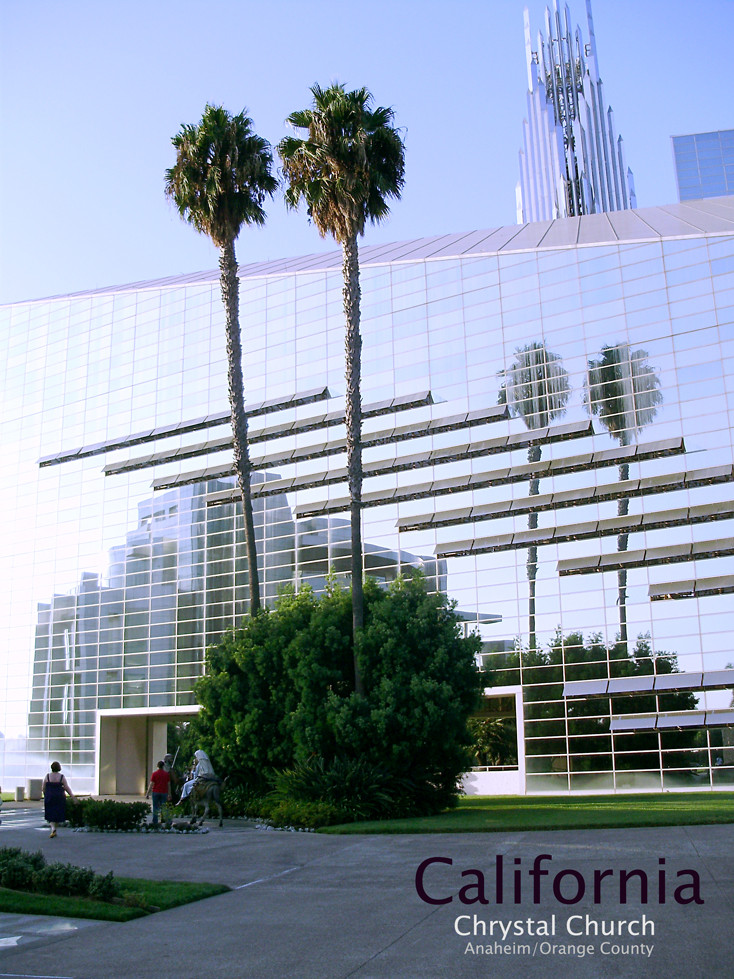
(55, 790)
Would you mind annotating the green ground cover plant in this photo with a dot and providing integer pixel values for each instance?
(487, 814)
(317, 793)
(165, 894)
(138, 897)
(349, 789)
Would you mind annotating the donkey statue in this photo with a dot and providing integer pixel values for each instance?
(205, 792)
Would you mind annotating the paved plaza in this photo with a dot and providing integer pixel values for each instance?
(311, 906)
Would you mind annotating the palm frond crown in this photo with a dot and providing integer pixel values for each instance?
(222, 174)
(349, 163)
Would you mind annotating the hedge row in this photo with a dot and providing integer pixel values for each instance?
(24, 871)
(107, 814)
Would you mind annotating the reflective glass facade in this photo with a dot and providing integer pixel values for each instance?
(704, 164)
(569, 481)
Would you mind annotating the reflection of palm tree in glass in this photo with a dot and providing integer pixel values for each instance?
(622, 389)
(536, 389)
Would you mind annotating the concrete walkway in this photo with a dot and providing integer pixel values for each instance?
(310, 906)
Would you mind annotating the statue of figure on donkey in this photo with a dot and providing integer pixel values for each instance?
(204, 786)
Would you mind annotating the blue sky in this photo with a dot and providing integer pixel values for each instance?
(91, 93)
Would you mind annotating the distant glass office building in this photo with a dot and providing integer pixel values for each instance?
(572, 161)
(548, 435)
(704, 164)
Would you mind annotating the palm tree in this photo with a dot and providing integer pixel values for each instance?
(349, 162)
(622, 389)
(536, 389)
(219, 182)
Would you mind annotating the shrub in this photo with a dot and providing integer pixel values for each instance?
(303, 815)
(17, 874)
(428, 792)
(103, 888)
(356, 787)
(9, 853)
(170, 811)
(23, 871)
(109, 814)
(63, 878)
(106, 814)
(258, 806)
(280, 691)
(237, 798)
(75, 808)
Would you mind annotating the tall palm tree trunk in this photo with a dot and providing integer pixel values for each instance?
(622, 511)
(534, 453)
(353, 352)
(230, 284)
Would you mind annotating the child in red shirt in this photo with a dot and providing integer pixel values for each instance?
(160, 787)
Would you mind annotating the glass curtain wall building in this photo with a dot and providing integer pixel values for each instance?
(548, 436)
(704, 164)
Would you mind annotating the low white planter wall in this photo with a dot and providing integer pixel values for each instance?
(494, 783)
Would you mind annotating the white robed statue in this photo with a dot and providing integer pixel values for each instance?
(203, 769)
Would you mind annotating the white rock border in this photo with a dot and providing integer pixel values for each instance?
(146, 830)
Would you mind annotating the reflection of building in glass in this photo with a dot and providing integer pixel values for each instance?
(548, 417)
(704, 164)
(572, 161)
(136, 639)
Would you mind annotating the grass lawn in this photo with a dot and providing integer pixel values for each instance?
(144, 897)
(488, 814)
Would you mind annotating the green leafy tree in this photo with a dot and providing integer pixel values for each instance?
(535, 388)
(280, 691)
(422, 684)
(219, 182)
(346, 167)
(623, 391)
(248, 694)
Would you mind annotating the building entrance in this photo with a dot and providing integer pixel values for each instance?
(130, 743)
(500, 761)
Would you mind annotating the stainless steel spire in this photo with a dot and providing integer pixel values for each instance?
(572, 161)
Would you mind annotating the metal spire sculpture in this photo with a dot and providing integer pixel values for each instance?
(572, 162)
